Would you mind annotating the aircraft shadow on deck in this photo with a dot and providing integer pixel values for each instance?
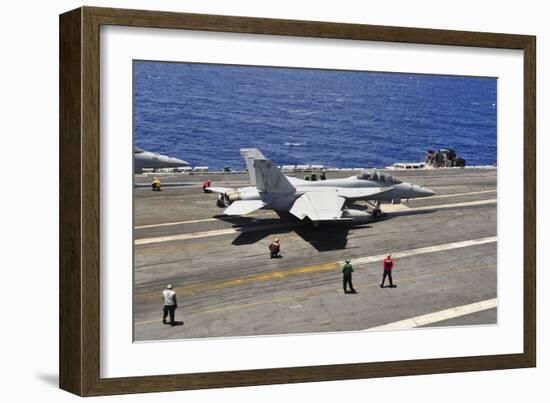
(326, 237)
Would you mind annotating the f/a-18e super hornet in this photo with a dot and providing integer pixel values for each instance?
(320, 201)
(149, 160)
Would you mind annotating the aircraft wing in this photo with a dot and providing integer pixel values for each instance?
(242, 207)
(297, 181)
(219, 189)
(318, 206)
(362, 193)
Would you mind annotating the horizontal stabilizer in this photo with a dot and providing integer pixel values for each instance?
(362, 193)
(318, 206)
(242, 207)
(219, 189)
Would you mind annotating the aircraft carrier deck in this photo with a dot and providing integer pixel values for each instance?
(444, 249)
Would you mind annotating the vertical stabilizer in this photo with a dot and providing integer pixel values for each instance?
(270, 179)
(249, 154)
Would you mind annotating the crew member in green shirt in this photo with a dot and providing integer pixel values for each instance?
(347, 270)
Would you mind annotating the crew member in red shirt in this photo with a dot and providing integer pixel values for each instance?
(275, 249)
(387, 264)
(206, 185)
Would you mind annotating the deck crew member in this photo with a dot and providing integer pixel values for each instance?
(170, 305)
(275, 248)
(206, 184)
(347, 269)
(155, 185)
(387, 265)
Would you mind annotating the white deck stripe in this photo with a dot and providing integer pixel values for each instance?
(392, 208)
(462, 194)
(204, 234)
(463, 204)
(167, 224)
(428, 249)
(183, 237)
(435, 317)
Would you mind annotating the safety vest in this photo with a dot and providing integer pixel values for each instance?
(388, 263)
(347, 269)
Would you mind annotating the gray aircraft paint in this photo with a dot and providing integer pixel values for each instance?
(326, 200)
(149, 160)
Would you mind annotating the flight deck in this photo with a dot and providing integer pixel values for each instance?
(444, 248)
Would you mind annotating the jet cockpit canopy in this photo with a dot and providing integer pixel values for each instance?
(377, 176)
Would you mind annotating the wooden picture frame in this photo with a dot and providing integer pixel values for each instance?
(80, 198)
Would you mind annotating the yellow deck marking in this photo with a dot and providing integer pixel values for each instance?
(339, 290)
(328, 290)
(280, 274)
(193, 288)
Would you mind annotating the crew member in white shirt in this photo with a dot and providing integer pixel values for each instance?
(170, 304)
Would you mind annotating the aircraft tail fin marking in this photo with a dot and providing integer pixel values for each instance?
(270, 179)
(249, 155)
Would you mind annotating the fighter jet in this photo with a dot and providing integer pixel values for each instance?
(320, 201)
(146, 159)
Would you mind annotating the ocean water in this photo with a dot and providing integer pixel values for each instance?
(204, 113)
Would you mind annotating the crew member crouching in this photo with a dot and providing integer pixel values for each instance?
(155, 185)
(275, 249)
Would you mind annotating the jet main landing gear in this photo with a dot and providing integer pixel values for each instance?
(220, 202)
(376, 212)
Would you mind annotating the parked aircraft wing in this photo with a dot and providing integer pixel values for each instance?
(242, 207)
(318, 206)
(362, 193)
(297, 181)
(219, 189)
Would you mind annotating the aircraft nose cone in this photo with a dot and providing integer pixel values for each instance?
(179, 162)
(425, 192)
(175, 162)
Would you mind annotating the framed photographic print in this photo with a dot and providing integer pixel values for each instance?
(242, 197)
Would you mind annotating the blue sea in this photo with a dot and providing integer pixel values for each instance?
(204, 113)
